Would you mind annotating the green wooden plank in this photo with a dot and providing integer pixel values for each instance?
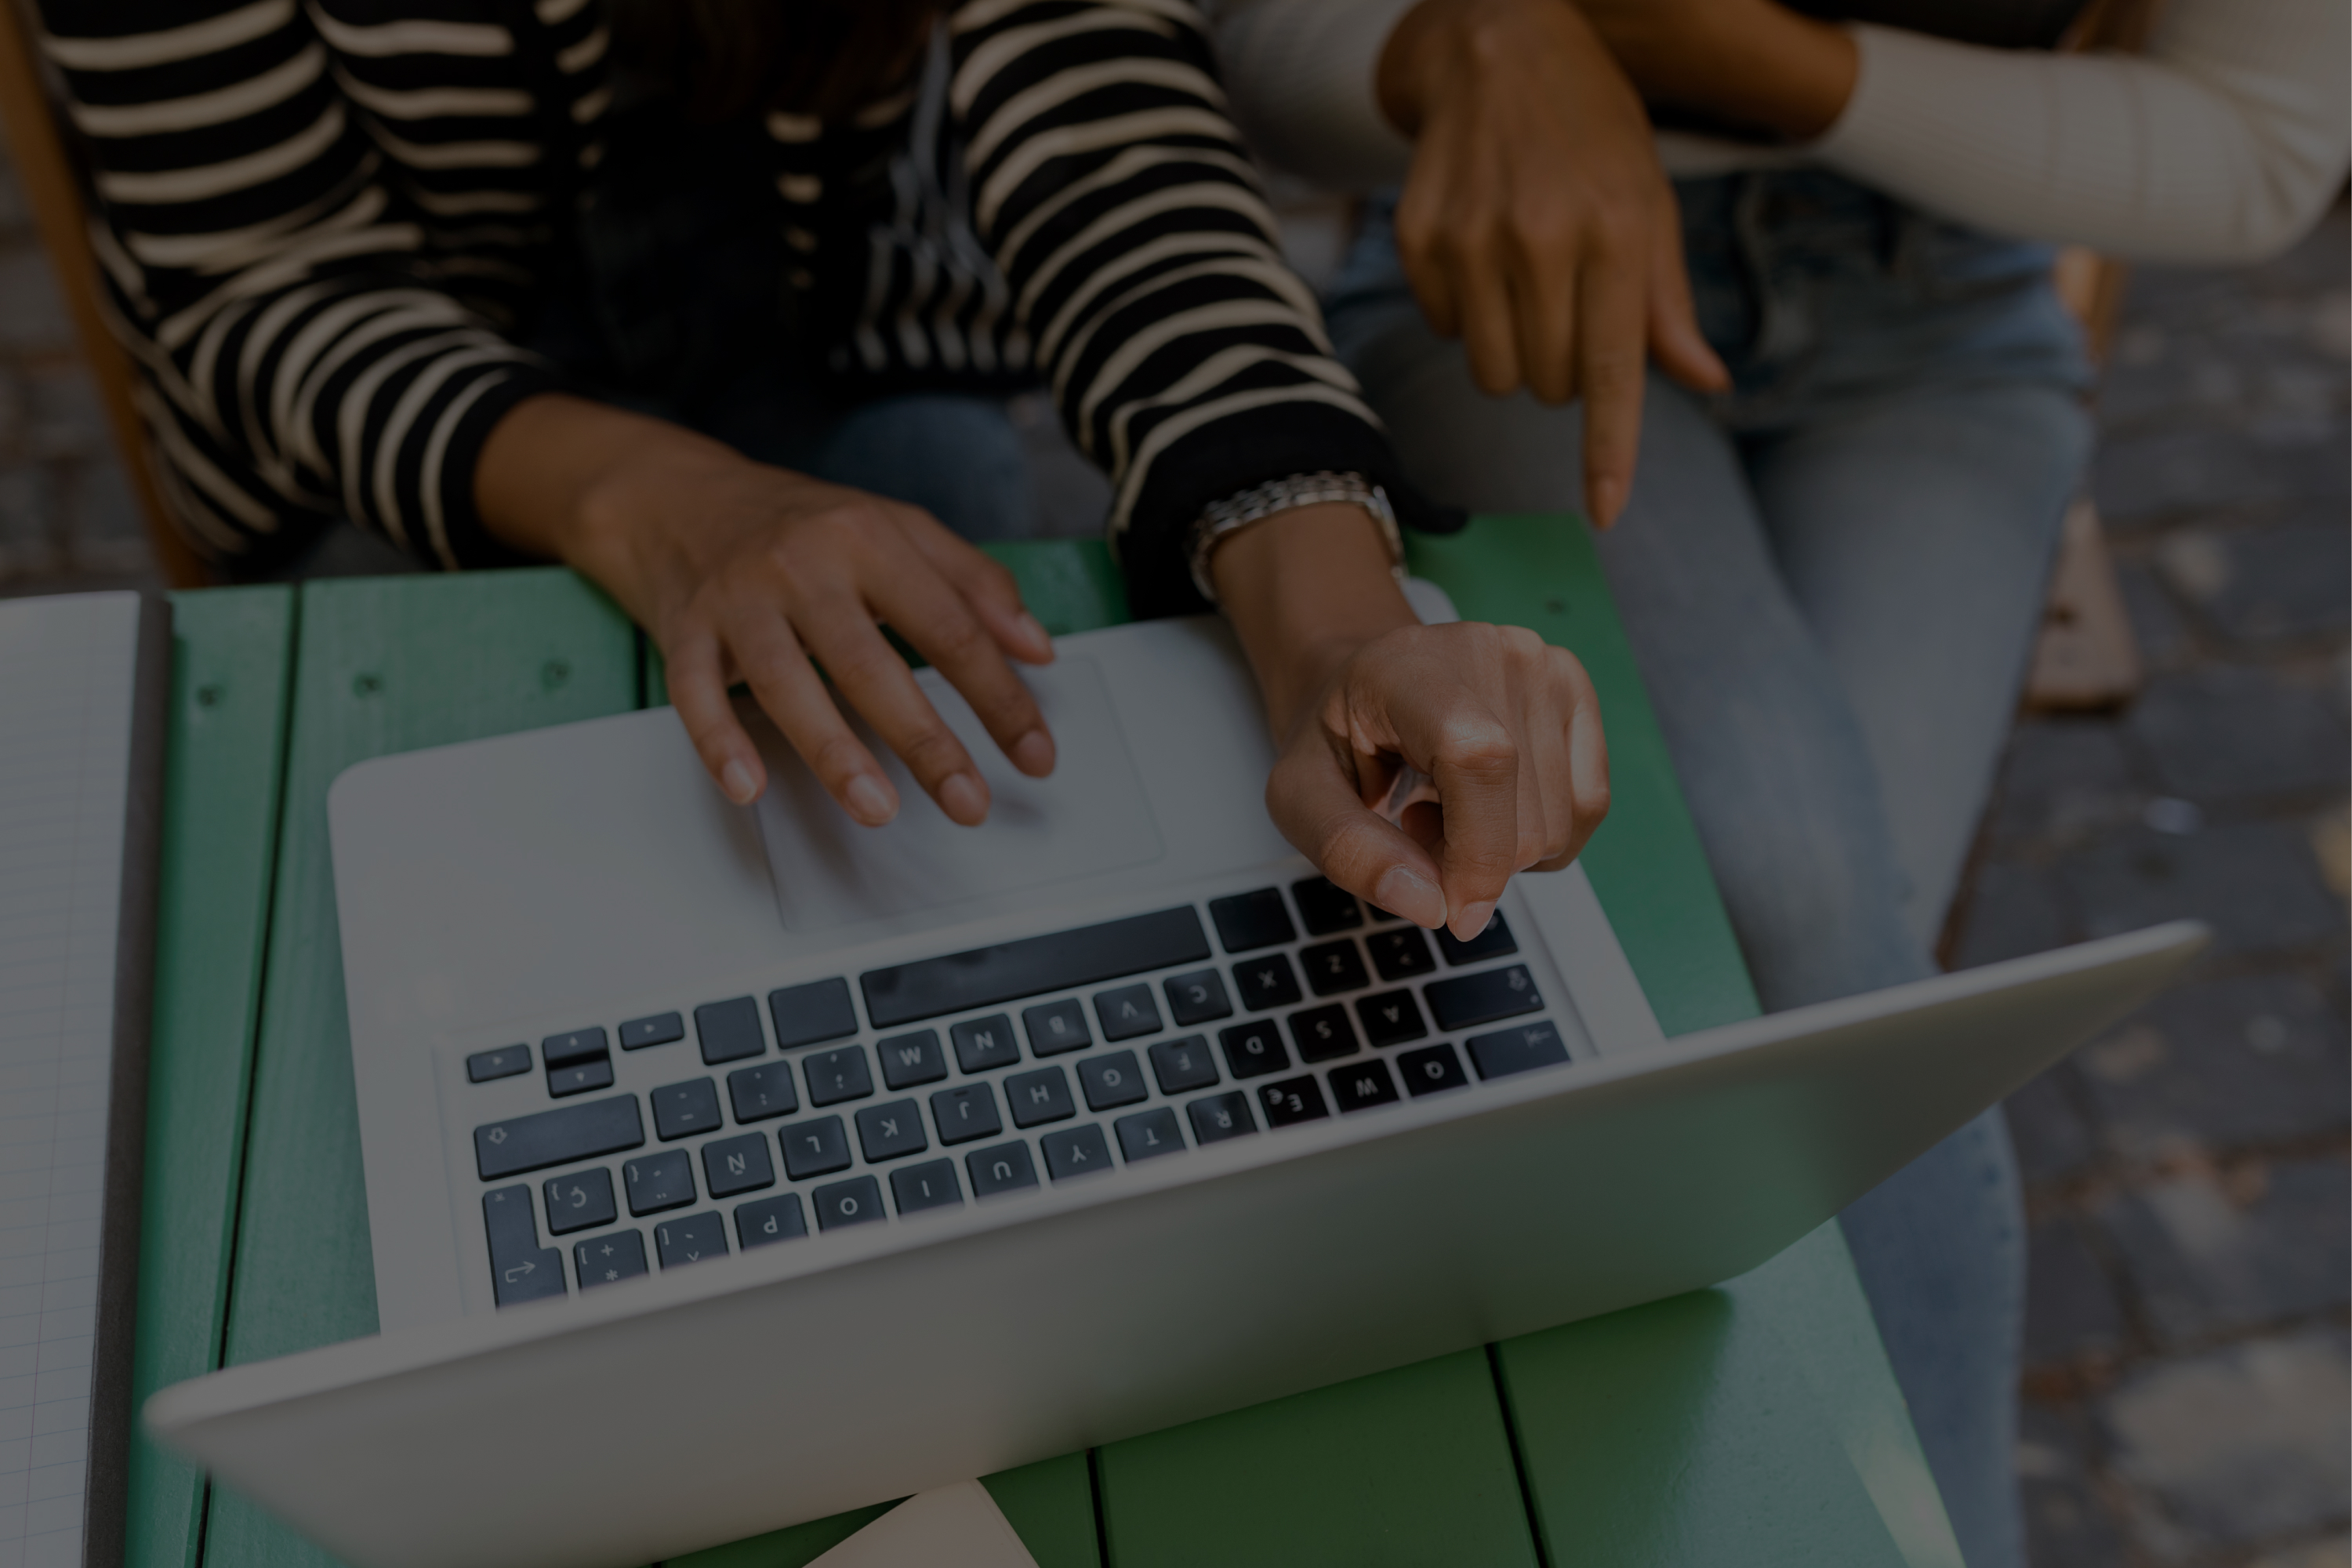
(1645, 862)
(232, 649)
(1051, 1506)
(1757, 1423)
(386, 664)
(1411, 1467)
(791, 1548)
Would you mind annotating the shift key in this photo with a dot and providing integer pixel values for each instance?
(557, 1137)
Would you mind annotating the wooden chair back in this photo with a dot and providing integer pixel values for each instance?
(54, 191)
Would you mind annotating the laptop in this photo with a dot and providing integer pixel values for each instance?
(733, 1167)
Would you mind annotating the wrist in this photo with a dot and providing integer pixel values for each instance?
(1304, 591)
(1441, 49)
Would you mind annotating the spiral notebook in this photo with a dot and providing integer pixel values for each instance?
(83, 682)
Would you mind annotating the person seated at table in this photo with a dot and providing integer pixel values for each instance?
(1866, 424)
(718, 301)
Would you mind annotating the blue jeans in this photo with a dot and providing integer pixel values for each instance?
(1831, 578)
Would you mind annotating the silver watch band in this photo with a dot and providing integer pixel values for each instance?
(1229, 516)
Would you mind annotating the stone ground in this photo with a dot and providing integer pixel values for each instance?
(2187, 1339)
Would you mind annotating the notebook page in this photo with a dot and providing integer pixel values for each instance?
(68, 675)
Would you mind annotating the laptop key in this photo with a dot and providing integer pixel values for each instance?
(761, 1093)
(658, 1182)
(569, 1050)
(504, 1062)
(766, 1221)
(1197, 998)
(1390, 1018)
(1468, 1000)
(1076, 1152)
(858, 1201)
(563, 1083)
(1126, 1012)
(1325, 908)
(819, 1010)
(817, 1147)
(696, 1239)
(1114, 1079)
(1431, 1069)
(1523, 1049)
(579, 1201)
(1292, 1100)
(557, 1137)
(837, 1075)
(966, 1113)
(930, 1185)
(1034, 966)
(1495, 942)
(1000, 1168)
(1249, 921)
(728, 1031)
(1401, 953)
(661, 1029)
(683, 1109)
(737, 1164)
(891, 1130)
(1362, 1085)
(1039, 1096)
(1267, 982)
(1333, 967)
(1253, 1050)
(984, 1043)
(1184, 1065)
(910, 1060)
(521, 1269)
(1218, 1117)
(607, 1259)
(1322, 1034)
(1147, 1133)
(1056, 1027)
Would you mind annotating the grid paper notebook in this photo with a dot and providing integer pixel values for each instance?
(69, 712)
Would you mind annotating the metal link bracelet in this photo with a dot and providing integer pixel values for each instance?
(1229, 516)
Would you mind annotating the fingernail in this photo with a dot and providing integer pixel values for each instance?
(868, 801)
(1607, 499)
(1404, 892)
(1032, 753)
(736, 779)
(965, 799)
(1035, 633)
(1473, 919)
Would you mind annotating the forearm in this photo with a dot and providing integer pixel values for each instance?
(1303, 591)
(569, 479)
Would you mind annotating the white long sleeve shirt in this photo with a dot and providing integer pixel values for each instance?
(2218, 144)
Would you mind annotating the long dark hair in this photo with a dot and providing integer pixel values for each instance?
(725, 58)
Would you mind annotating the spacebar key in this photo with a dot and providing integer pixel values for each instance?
(1061, 962)
(554, 1136)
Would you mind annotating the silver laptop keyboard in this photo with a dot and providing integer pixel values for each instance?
(934, 1101)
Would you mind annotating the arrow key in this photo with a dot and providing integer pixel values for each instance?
(603, 1260)
(521, 1269)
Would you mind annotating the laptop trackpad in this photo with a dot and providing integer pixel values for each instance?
(1090, 816)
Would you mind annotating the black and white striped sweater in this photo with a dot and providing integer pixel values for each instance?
(326, 223)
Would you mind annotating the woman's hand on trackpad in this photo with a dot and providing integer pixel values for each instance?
(744, 572)
(1503, 730)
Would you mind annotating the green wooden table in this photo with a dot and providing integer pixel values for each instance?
(1756, 1424)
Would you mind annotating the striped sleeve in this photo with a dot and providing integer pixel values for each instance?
(1110, 186)
(315, 233)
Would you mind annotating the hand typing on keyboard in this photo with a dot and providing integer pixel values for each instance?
(1506, 729)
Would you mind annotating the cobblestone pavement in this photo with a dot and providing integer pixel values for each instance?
(2187, 1342)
